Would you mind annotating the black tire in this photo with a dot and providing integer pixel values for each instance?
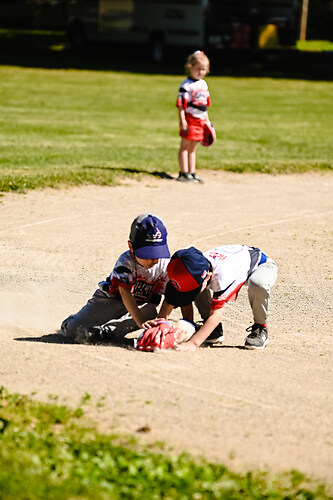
(76, 37)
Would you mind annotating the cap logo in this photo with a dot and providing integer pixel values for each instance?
(154, 236)
(175, 284)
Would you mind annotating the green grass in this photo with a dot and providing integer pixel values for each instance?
(12, 33)
(314, 45)
(49, 451)
(70, 127)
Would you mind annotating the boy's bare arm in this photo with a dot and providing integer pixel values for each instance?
(211, 322)
(131, 305)
(200, 336)
(165, 310)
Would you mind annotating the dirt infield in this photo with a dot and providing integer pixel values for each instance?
(271, 409)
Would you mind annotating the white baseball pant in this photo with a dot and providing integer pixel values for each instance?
(259, 289)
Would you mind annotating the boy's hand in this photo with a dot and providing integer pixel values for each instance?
(161, 336)
(188, 346)
(154, 322)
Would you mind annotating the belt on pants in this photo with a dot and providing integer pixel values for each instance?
(263, 259)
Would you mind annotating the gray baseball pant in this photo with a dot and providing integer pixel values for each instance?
(108, 312)
(259, 289)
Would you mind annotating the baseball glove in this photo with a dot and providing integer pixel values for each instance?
(165, 336)
(209, 135)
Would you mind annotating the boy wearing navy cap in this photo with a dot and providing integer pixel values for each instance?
(130, 295)
(211, 279)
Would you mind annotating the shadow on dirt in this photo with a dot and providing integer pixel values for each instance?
(58, 338)
(51, 338)
(240, 347)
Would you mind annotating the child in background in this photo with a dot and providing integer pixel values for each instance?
(193, 100)
(132, 292)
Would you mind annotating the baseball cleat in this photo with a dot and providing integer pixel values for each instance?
(89, 335)
(258, 338)
(63, 328)
(216, 337)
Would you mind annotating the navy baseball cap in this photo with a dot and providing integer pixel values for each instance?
(187, 271)
(148, 236)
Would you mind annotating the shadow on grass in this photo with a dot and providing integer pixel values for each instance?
(87, 174)
(155, 173)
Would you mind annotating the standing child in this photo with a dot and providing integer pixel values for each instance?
(193, 100)
(130, 295)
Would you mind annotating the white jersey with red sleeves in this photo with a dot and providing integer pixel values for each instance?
(194, 97)
(231, 267)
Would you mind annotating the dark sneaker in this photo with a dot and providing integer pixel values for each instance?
(196, 178)
(89, 335)
(63, 328)
(185, 177)
(216, 337)
(258, 338)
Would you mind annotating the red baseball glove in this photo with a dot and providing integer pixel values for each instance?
(161, 336)
(165, 336)
(209, 135)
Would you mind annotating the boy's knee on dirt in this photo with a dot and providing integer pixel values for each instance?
(72, 325)
(120, 324)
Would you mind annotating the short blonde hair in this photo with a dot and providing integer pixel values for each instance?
(197, 57)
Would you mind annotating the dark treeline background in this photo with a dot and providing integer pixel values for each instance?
(51, 15)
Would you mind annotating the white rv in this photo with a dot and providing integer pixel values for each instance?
(205, 24)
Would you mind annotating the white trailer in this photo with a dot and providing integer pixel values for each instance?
(205, 24)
